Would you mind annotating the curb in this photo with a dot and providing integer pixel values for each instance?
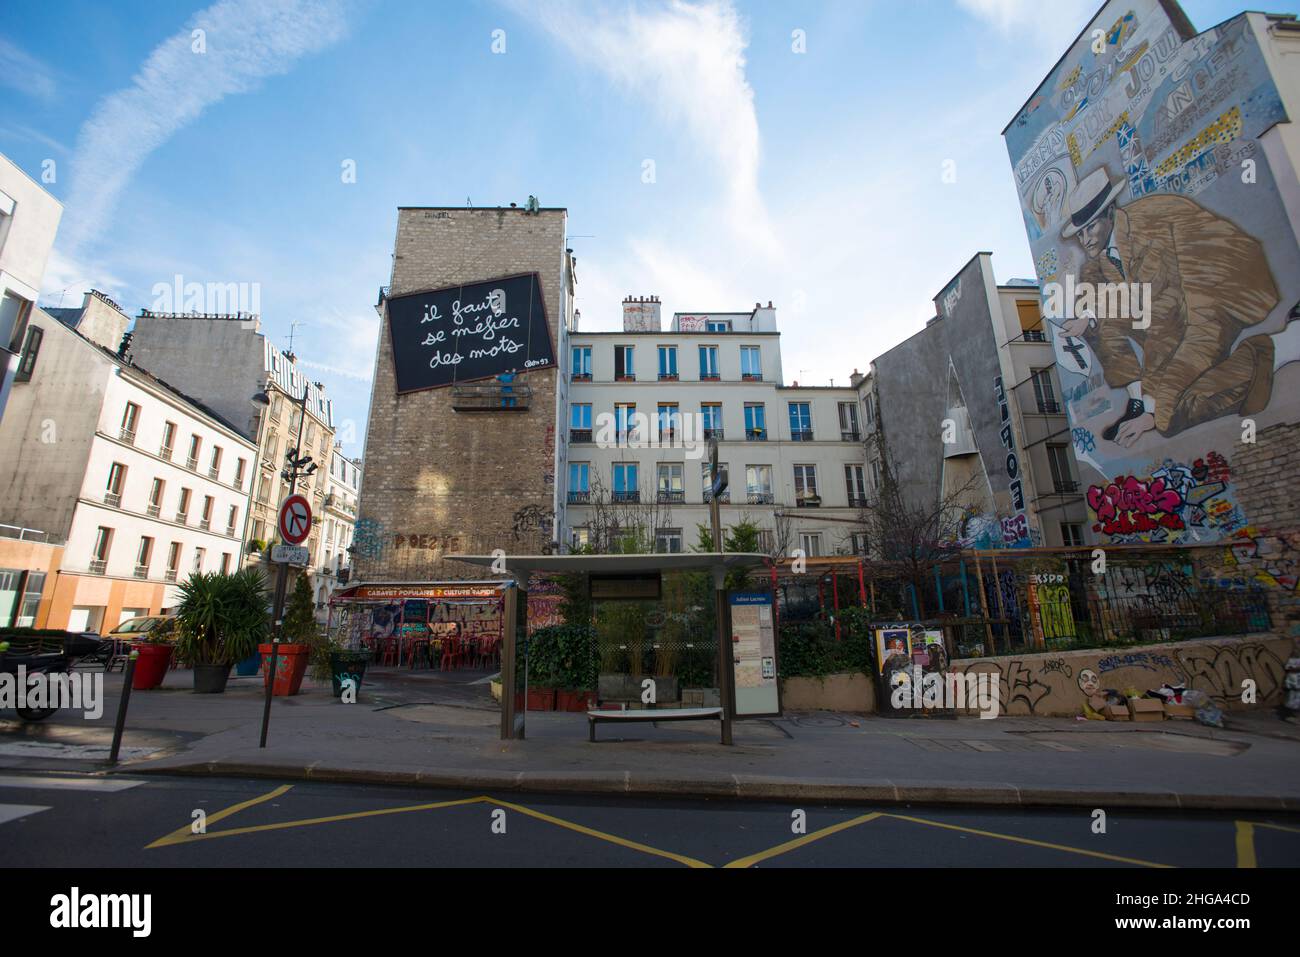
(740, 787)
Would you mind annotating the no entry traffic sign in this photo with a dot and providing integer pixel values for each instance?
(295, 520)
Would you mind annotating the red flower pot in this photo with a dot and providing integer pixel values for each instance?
(290, 665)
(575, 700)
(541, 699)
(151, 666)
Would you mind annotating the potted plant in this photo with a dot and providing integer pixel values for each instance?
(298, 635)
(334, 661)
(220, 619)
(575, 667)
(155, 647)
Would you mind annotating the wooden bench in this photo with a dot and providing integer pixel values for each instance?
(652, 714)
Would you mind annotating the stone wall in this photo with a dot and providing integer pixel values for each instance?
(440, 480)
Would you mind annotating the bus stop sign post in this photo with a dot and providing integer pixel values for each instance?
(722, 608)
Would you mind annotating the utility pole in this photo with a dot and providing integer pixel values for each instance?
(718, 485)
(296, 464)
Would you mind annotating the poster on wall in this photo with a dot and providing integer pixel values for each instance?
(753, 646)
(1170, 272)
(891, 641)
(483, 330)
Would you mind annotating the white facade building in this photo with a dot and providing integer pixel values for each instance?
(642, 402)
(342, 493)
(29, 219)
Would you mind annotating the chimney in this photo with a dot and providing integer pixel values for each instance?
(641, 314)
(855, 380)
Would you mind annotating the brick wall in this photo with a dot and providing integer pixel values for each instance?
(438, 480)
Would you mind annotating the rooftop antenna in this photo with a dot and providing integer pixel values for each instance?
(293, 326)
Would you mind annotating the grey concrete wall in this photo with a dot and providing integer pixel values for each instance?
(217, 361)
(47, 430)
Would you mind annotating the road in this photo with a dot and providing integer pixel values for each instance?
(79, 820)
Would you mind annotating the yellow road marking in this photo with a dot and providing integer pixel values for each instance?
(305, 822)
(1029, 841)
(603, 835)
(1245, 844)
(183, 833)
(753, 859)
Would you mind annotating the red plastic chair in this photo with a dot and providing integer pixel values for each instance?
(392, 652)
(452, 655)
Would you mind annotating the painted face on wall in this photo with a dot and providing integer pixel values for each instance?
(1096, 234)
(497, 300)
(1089, 683)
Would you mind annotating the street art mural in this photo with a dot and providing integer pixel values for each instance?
(1170, 273)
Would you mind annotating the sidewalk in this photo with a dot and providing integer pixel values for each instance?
(438, 730)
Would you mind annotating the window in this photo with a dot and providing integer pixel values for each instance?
(1071, 533)
(668, 540)
(20, 596)
(579, 482)
(668, 362)
(31, 348)
(751, 364)
(168, 440)
(183, 507)
(192, 460)
(264, 490)
(198, 560)
(711, 414)
(670, 484)
(624, 367)
(869, 406)
(582, 363)
(311, 432)
(1044, 391)
(142, 556)
(205, 522)
(858, 543)
(669, 420)
(100, 550)
(706, 481)
(1031, 320)
(800, 422)
(225, 563)
(580, 422)
(805, 485)
(718, 325)
(130, 419)
(811, 543)
(849, 431)
(240, 465)
(624, 421)
(271, 448)
(856, 485)
(277, 405)
(1058, 459)
(214, 466)
(626, 482)
(579, 537)
(758, 484)
(173, 560)
(755, 422)
(875, 473)
(232, 519)
(155, 497)
(116, 481)
(709, 362)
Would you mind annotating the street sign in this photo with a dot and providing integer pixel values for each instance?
(295, 520)
(290, 554)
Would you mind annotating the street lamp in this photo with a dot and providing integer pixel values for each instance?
(296, 465)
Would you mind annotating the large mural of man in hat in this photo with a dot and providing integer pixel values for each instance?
(1207, 281)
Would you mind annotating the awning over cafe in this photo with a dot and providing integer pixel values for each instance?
(521, 565)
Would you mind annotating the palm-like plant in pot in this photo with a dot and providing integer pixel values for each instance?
(220, 620)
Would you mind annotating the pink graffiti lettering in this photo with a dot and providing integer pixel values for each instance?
(1130, 504)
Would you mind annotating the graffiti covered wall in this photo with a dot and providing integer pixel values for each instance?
(1169, 269)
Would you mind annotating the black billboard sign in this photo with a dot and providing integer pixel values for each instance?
(476, 331)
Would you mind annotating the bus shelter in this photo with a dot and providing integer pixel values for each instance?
(742, 623)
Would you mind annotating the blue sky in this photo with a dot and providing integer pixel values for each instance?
(814, 179)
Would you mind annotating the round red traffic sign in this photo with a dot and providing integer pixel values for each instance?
(295, 520)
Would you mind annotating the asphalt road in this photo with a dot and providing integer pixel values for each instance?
(72, 820)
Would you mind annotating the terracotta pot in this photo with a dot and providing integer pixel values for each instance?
(541, 699)
(290, 665)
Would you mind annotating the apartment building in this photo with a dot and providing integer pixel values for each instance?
(121, 484)
(259, 388)
(643, 401)
(342, 493)
(29, 219)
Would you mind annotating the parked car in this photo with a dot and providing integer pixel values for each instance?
(135, 628)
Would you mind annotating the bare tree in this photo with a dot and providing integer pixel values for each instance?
(625, 522)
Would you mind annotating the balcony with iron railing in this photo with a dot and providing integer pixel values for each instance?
(808, 500)
(627, 497)
(627, 436)
(760, 498)
(723, 499)
(668, 377)
(192, 464)
(580, 498)
(205, 524)
(491, 397)
(710, 377)
(672, 496)
(801, 435)
(857, 501)
(141, 571)
(165, 453)
(113, 499)
(579, 435)
(339, 503)
(153, 511)
(1049, 407)
(756, 435)
(98, 566)
(751, 377)
(127, 435)
(850, 435)
(214, 473)
(714, 434)
(183, 518)
(580, 377)
(1035, 335)
(170, 575)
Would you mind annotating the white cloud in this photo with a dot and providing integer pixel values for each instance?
(21, 71)
(1056, 23)
(686, 61)
(246, 41)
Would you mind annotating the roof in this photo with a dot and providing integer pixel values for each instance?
(69, 315)
(619, 564)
